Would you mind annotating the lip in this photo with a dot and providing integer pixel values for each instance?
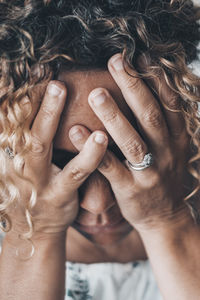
(109, 227)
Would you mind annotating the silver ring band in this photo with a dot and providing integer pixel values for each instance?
(146, 163)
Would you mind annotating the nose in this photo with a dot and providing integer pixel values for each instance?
(96, 195)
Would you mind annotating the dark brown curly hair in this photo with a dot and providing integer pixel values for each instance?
(84, 34)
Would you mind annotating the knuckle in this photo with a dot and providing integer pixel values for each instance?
(132, 82)
(173, 103)
(38, 147)
(184, 140)
(155, 180)
(169, 163)
(47, 112)
(176, 133)
(133, 147)
(153, 117)
(110, 117)
(78, 174)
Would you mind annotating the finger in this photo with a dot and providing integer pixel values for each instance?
(47, 119)
(122, 132)
(44, 128)
(79, 168)
(115, 171)
(78, 135)
(171, 106)
(168, 98)
(142, 103)
(30, 104)
(124, 135)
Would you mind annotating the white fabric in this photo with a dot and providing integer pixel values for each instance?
(111, 281)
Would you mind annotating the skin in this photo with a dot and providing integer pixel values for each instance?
(78, 111)
(98, 206)
(151, 201)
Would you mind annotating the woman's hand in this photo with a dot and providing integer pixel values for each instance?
(152, 196)
(57, 200)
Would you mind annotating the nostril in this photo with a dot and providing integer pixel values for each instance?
(92, 218)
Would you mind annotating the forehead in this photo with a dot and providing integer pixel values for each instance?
(77, 110)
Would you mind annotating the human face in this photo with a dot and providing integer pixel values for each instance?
(99, 218)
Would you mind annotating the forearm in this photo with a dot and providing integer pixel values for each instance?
(175, 257)
(40, 277)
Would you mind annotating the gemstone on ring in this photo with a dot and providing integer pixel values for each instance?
(146, 163)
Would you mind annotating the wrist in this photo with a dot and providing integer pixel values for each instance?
(44, 269)
(39, 242)
(173, 250)
(169, 223)
(175, 230)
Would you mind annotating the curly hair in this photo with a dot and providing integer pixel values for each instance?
(81, 35)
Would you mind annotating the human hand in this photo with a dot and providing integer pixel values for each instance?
(57, 201)
(153, 196)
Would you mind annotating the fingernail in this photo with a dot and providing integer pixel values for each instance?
(54, 90)
(100, 138)
(76, 134)
(117, 63)
(98, 98)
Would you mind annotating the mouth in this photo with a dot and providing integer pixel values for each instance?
(106, 228)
